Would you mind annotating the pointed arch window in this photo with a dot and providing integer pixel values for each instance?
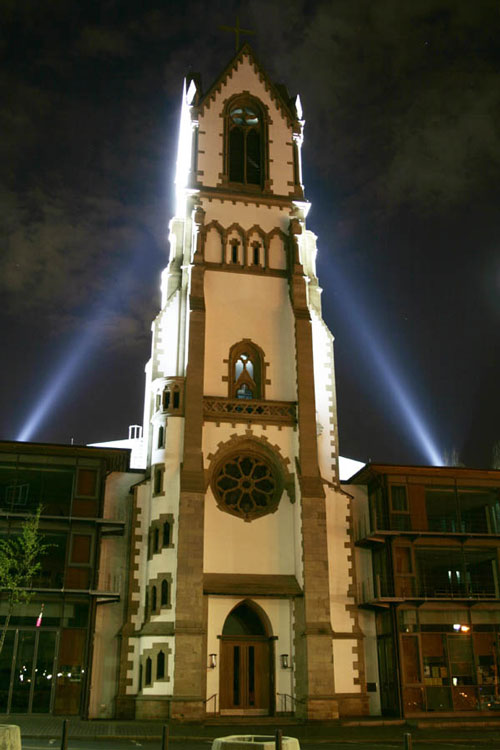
(156, 539)
(245, 152)
(158, 480)
(170, 400)
(256, 253)
(246, 369)
(166, 399)
(234, 244)
(166, 534)
(160, 666)
(153, 599)
(164, 593)
(149, 670)
(161, 436)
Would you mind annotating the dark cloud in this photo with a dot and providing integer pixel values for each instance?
(96, 41)
(403, 98)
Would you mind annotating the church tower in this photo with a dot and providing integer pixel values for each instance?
(241, 587)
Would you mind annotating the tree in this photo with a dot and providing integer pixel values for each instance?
(20, 556)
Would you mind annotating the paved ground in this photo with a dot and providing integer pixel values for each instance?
(44, 733)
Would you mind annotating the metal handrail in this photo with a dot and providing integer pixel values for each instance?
(292, 698)
(214, 697)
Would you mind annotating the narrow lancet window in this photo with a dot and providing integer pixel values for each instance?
(245, 144)
(177, 398)
(166, 534)
(160, 666)
(164, 593)
(161, 437)
(256, 254)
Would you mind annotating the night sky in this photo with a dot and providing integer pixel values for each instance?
(401, 164)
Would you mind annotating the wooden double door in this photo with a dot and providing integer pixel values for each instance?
(245, 675)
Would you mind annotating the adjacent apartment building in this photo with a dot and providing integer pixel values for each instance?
(427, 561)
(60, 650)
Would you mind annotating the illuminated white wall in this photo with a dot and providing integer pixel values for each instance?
(266, 545)
(242, 306)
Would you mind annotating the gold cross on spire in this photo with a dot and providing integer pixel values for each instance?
(237, 31)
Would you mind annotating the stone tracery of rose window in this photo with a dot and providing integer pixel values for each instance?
(247, 486)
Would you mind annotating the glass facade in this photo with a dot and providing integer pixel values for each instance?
(435, 549)
(35, 674)
(60, 489)
(44, 660)
(449, 659)
(448, 570)
(439, 508)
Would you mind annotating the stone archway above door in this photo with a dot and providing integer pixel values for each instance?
(246, 662)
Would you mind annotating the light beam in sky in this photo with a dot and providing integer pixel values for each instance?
(64, 372)
(385, 363)
(80, 349)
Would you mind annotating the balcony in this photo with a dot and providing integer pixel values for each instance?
(379, 592)
(372, 536)
(218, 409)
(435, 510)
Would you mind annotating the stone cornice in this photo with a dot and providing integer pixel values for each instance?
(242, 196)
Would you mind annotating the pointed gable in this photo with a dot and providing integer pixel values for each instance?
(277, 92)
(267, 154)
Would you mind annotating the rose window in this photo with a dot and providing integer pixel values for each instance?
(247, 486)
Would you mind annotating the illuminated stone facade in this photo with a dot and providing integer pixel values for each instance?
(247, 606)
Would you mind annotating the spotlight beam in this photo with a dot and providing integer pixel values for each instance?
(80, 349)
(65, 370)
(387, 369)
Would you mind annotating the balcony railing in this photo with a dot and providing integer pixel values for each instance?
(485, 523)
(380, 588)
(217, 409)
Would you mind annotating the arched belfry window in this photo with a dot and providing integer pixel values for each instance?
(246, 370)
(245, 152)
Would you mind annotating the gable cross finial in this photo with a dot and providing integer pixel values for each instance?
(237, 30)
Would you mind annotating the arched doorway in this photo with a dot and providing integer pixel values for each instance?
(246, 664)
